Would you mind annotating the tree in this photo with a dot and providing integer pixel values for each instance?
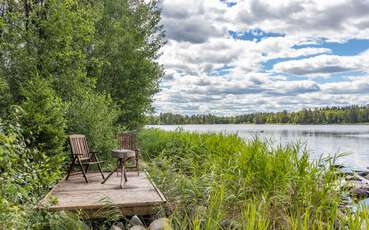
(128, 41)
(328, 115)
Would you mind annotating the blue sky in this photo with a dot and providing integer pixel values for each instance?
(234, 57)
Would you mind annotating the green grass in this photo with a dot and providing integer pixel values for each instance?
(218, 181)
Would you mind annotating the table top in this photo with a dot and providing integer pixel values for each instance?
(122, 153)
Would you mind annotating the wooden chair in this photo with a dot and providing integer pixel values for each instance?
(128, 140)
(81, 155)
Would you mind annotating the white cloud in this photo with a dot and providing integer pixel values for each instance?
(243, 56)
(354, 85)
(309, 18)
(324, 65)
(209, 71)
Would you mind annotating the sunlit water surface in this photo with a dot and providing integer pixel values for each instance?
(318, 139)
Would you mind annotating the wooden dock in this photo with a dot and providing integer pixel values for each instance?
(139, 196)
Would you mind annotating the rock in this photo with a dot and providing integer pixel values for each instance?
(135, 220)
(363, 174)
(137, 227)
(359, 184)
(118, 226)
(359, 192)
(160, 224)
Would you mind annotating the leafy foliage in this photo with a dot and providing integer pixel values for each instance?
(129, 38)
(5, 97)
(94, 115)
(42, 117)
(26, 174)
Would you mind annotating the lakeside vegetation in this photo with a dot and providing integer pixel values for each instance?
(219, 181)
(327, 115)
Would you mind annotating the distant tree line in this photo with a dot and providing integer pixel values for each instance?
(326, 115)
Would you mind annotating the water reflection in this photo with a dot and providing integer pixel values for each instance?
(319, 139)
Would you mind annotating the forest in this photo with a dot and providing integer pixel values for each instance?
(327, 115)
(68, 66)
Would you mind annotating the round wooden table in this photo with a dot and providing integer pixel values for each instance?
(122, 155)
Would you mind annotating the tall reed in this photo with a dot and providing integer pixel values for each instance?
(220, 181)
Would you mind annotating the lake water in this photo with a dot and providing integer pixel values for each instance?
(319, 139)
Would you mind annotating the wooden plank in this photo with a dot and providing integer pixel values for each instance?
(156, 188)
(44, 200)
(139, 196)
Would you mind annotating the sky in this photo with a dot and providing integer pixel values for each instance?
(236, 57)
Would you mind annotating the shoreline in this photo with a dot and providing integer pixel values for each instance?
(263, 124)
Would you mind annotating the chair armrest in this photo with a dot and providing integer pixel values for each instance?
(93, 155)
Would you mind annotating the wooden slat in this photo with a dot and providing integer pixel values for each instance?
(139, 193)
(79, 146)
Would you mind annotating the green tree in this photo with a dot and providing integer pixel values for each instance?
(128, 41)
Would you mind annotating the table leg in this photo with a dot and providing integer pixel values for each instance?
(111, 173)
(120, 164)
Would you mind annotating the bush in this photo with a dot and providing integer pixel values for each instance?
(43, 117)
(42, 123)
(94, 115)
(5, 97)
(25, 176)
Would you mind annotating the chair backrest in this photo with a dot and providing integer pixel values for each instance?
(127, 140)
(79, 146)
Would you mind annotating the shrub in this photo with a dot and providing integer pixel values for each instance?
(5, 97)
(43, 117)
(25, 176)
(94, 115)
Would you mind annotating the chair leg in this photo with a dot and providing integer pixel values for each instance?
(71, 168)
(83, 170)
(106, 178)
